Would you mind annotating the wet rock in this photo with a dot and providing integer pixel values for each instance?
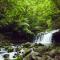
(57, 57)
(6, 56)
(56, 38)
(52, 53)
(35, 56)
(26, 45)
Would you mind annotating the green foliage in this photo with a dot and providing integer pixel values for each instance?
(56, 16)
(19, 58)
(57, 3)
(38, 45)
(29, 16)
(27, 45)
(10, 49)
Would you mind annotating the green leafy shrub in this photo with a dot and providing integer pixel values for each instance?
(26, 45)
(27, 16)
(10, 49)
(19, 58)
(37, 45)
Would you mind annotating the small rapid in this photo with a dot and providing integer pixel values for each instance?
(45, 38)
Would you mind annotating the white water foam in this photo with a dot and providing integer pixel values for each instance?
(45, 38)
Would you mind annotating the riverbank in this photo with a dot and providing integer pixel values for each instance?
(35, 51)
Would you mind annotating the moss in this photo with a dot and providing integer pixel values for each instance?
(19, 58)
(10, 49)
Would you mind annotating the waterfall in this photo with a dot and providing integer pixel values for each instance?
(45, 37)
(1, 57)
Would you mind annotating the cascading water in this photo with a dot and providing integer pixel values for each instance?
(11, 54)
(45, 38)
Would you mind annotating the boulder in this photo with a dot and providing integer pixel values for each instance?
(34, 56)
(56, 38)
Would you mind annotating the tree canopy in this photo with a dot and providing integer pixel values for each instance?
(29, 16)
